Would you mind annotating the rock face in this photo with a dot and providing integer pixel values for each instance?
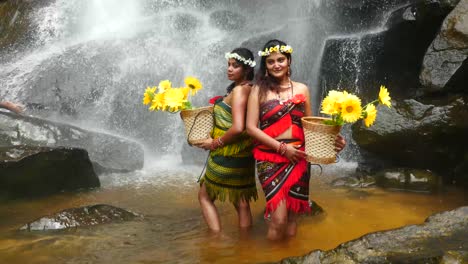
(443, 236)
(110, 152)
(390, 56)
(448, 52)
(81, 217)
(33, 171)
(413, 134)
(421, 56)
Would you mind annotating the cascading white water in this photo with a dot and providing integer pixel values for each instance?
(90, 61)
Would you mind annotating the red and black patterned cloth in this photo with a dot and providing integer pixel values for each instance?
(281, 179)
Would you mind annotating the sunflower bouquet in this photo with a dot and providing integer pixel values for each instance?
(164, 97)
(198, 122)
(344, 107)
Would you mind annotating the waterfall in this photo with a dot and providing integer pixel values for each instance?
(89, 62)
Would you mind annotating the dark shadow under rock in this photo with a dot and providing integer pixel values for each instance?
(405, 179)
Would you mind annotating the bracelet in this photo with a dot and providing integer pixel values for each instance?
(216, 143)
(283, 149)
(213, 145)
(279, 147)
(220, 142)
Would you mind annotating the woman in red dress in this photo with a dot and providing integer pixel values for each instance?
(275, 108)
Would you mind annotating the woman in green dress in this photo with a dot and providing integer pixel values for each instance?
(230, 172)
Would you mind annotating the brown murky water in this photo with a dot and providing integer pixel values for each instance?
(173, 230)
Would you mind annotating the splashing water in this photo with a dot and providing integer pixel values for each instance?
(90, 61)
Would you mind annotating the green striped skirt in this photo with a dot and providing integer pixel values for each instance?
(230, 176)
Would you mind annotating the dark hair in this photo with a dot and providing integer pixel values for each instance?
(264, 81)
(246, 54)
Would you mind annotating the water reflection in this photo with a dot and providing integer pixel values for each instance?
(173, 230)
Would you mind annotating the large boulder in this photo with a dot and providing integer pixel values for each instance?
(447, 55)
(108, 151)
(418, 135)
(81, 217)
(391, 55)
(441, 239)
(34, 171)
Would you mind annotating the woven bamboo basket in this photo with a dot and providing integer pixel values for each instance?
(198, 123)
(319, 140)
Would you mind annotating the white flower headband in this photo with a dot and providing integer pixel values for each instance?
(277, 48)
(238, 57)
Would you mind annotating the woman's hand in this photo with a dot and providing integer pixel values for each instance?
(205, 144)
(340, 143)
(16, 108)
(293, 153)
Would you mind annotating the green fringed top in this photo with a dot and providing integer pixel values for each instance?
(243, 145)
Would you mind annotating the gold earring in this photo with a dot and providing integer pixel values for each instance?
(266, 73)
(289, 71)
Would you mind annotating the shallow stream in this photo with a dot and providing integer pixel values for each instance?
(172, 229)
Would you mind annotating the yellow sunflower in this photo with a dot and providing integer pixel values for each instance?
(331, 105)
(186, 92)
(158, 102)
(370, 115)
(194, 84)
(164, 85)
(174, 99)
(384, 96)
(149, 94)
(351, 108)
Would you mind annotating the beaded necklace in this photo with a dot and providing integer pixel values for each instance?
(282, 101)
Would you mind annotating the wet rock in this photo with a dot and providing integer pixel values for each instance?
(366, 61)
(362, 181)
(81, 217)
(443, 236)
(419, 135)
(184, 22)
(408, 180)
(27, 171)
(17, 26)
(112, 152)
(447, 52)
(227, 20)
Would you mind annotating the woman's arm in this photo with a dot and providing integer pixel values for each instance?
(253, 113)
(308, 104)
(239, 99)
(240, 95)
(11, 106)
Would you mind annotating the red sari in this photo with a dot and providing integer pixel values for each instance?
(280, 178)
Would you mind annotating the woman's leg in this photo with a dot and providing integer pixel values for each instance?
(278, 223)
(292, 224)
(209, 210)
(244, 214)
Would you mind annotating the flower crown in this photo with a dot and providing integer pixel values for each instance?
(277, 48)
(238, 57)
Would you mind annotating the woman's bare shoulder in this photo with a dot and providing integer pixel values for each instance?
(243, 88)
